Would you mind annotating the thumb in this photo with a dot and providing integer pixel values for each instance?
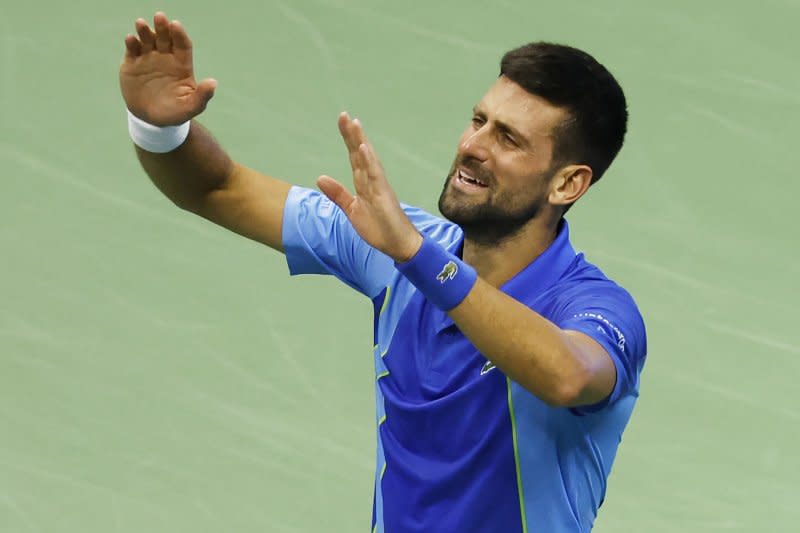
(205, 92)
(336, 192)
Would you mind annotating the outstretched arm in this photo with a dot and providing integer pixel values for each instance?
(562, 367)
(158, 86)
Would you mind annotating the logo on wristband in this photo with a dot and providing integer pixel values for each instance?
(448, 272)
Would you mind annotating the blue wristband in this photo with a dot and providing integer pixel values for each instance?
(442, 277)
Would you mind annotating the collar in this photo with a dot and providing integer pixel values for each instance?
(540, 274)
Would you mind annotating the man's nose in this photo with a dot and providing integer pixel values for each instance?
(476, 144)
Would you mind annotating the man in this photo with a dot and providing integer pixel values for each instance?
(507, 366)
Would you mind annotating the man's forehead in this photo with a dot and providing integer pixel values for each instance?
(507, 102)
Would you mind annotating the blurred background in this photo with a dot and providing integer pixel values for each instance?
(159, 374)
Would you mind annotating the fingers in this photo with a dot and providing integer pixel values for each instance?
(133, 47)
(167, 35)
(205, 92)
(351, 131)
(360, 173)
(146, 36)
(180, 39)
(337, 193)
(363, 160)
(370, 161)
(163, 39)
(181, 44)
(353, 135)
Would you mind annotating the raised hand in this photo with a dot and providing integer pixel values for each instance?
(157, 76)
(374, 211)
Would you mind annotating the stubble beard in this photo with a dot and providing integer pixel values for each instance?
(497, 218)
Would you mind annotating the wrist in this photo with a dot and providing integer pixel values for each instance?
(156, 139)
(411, 249)
(443, 278)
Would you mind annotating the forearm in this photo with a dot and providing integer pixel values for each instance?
(557, 366)
(189, 173)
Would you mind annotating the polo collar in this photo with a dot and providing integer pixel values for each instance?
(540, 274)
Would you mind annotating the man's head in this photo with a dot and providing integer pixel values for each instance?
(546, 130)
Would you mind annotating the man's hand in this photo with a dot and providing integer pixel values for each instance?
(157, 76)
(374, 211)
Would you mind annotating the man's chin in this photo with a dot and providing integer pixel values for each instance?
(460, 214)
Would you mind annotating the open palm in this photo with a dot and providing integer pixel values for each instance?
(374, 210)
(157, 76)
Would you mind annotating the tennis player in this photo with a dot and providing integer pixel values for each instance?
(507, 365)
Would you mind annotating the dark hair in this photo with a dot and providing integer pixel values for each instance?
(570, 78)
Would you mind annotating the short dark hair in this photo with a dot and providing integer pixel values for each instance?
(571, 78)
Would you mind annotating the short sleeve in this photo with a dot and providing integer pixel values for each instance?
(318, 239)
(609, 315)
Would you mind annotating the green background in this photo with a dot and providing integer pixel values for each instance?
(160, 374)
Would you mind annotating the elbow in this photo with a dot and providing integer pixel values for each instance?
(568, 391)
(187, 203)
(196, 201)
(187, 200)
(561, 396)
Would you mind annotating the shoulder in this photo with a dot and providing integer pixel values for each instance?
(586, 293)
(441, 230)
(585, 280)
(305, 203)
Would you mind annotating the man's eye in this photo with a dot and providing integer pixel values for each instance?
(477, 121)
(509, 139)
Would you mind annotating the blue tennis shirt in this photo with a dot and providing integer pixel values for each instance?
(462, 448)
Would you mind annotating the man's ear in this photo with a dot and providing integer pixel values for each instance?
(569, 184)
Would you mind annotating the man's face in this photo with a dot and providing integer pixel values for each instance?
(503, 166)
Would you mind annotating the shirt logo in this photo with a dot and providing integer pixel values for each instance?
(487, 367)
(597, 316)
(448, 272)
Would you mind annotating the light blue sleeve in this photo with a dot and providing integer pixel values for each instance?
(318, 239)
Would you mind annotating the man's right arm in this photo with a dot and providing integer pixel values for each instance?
(158, 86)
(200, 177)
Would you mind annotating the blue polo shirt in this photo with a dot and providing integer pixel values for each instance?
(462, 448)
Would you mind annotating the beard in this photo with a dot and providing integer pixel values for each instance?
(498, 217)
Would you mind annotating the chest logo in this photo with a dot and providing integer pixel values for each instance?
(448, 272)
(487, 367)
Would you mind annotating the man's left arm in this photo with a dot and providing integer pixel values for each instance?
(565, 368)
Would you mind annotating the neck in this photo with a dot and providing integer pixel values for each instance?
(498, 262)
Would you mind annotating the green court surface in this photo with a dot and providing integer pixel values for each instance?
(159, 374)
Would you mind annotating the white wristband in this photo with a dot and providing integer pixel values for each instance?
(155, 138)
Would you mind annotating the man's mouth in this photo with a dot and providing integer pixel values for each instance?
(465, 178)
